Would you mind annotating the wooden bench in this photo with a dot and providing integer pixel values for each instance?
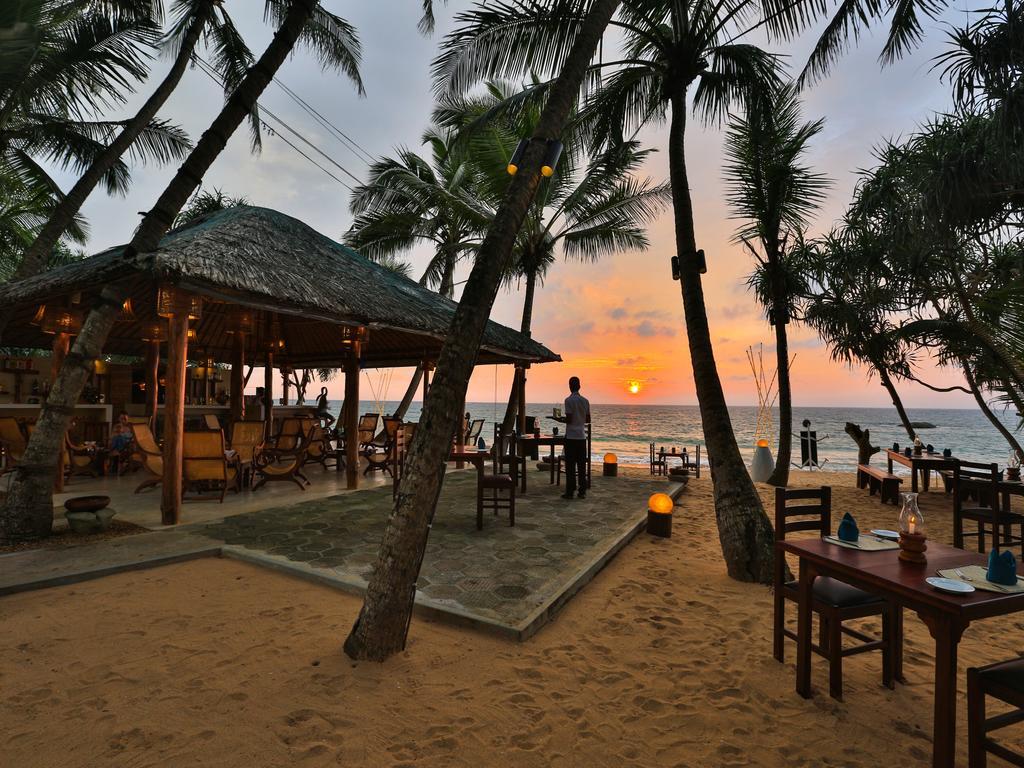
(879, 481)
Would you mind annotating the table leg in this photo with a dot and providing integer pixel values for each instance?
(552, 464)
(803, 632)
(947, 632)
(926, 478)
(890, 465)
(913, 478)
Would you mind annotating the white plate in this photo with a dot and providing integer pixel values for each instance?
(951, 586)
(884, 534)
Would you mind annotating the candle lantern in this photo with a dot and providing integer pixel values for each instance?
(912, 531)
(659, 515)
(61, 320)
(611, 465)
(763, 465)
(171, 301)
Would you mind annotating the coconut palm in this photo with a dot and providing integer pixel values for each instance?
(773, 192)
(383, 622)
(28, 511)
(203, 202)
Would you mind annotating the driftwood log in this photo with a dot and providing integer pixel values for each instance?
(862, 437)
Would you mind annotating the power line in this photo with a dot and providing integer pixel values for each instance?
(347, 141)
(215, 76)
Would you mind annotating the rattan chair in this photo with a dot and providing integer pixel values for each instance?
(320, 449)
(834, 601)
(211, 422)
(275, 464)
(205, 468)
(148, 455)
(79, 459)
(381, 454)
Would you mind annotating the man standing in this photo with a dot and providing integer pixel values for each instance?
(577, 416)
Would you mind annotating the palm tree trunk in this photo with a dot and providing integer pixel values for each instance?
(35, 257)
(745, 534)
(512, 409)
(883, 375)
(28, 511)
(972, 383)
(780, 475)
(410, 394)
(383, 622)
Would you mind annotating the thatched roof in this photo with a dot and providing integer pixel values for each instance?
(264, 260)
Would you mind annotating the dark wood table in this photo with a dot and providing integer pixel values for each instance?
(925, 464)
(464, 453)
(946, 616)
(529, 441)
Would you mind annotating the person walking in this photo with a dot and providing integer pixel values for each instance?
(576, 416)
(322, 411)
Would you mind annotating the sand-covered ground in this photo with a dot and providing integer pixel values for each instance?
(660, 661)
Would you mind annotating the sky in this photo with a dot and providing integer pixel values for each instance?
(618, 322)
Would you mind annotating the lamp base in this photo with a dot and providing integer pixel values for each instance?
(659, 524)
(610, 470)
(912, 548)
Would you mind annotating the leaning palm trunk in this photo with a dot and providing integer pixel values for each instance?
(780, 475)
(525, 327)
(35, 257)
(383, 622)
(897, 402)
(28, 512)
(745, 534)
(410, 394)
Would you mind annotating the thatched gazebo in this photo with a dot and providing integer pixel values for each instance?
(249, 285)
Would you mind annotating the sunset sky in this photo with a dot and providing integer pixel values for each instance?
(617, 322)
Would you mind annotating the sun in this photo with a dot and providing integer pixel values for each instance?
(634, 387)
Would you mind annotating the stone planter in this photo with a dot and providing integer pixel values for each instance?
(88, 514)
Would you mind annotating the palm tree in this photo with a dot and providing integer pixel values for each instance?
(204, 202)
(849, 308)
(409, 200)
(383, 622)
(774, 193)
(28, 512)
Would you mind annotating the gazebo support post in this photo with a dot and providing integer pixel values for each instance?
(174, 418)
(352, 419)
(285, 385)
(521, 396)
(461, 428)
(238, 379)
(152, 381)
(268, 394)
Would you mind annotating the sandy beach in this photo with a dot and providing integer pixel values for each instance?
(661, 660)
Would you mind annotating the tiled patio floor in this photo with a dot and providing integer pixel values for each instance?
(507, 578)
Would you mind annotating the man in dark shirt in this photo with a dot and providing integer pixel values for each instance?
(577, 416)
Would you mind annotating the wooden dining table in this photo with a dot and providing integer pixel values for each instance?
(527, 442)
(923, 464)
(883, 573)
(470, 454)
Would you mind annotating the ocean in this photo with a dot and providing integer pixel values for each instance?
(627, 430)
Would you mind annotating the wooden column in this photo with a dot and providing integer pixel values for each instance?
(152, 381)
(521, 419)
(285, 385)
(268, 394)
(174, 418)
(352, 419)
(238, 378)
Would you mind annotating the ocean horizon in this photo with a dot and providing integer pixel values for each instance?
(627, 430)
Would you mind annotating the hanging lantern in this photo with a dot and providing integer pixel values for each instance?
(552, 152)
(154, 331)
(171, 301)
(241, 321)
(192, 335)
(350, 334)
(61, 320)
(275, 339)
(99, 367)
(517, 157)
(127, 312)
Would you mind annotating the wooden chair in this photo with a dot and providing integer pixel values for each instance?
(367, 431)
(211, 422)
(247, 438)
(496, 491)
(658, 465)
(473, 431)
(694, 465)
(79, 459)
(148, 455)
(274, 463)
(13, 440)
(290, 434)
(320, 449)
(980, 482)
(505, 449)
(380, 453)
(1004, 681)
(834, 601)
(403, 438)
(205, 469)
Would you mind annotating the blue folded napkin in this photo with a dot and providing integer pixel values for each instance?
(1002, 568)
(848, 530)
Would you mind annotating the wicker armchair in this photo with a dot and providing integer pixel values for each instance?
(274, 463)
(148, 455)
(205, 468)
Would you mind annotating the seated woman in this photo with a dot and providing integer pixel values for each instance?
(121, 439)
